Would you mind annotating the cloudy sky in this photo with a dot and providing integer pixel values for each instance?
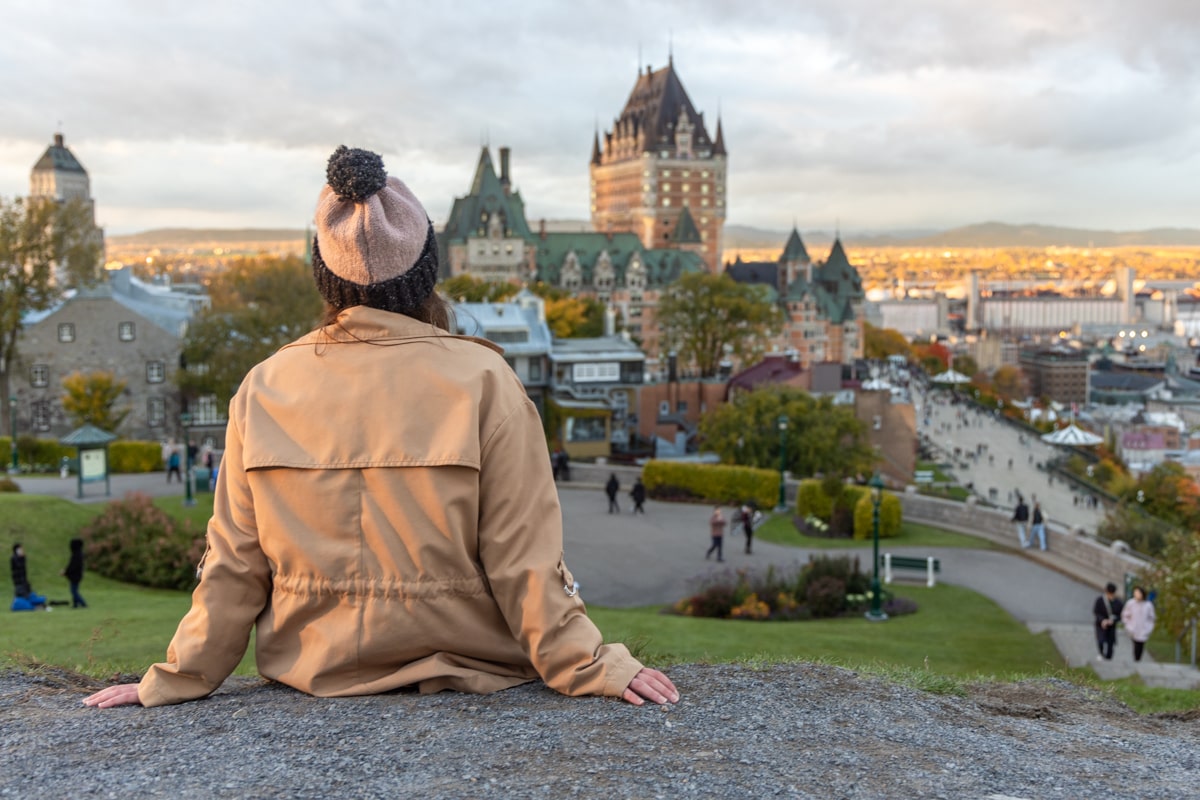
(871, 114)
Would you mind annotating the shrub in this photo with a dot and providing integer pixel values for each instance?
(136, 542)
(9, 485)
(130, 457)
(826, 596)
(844, 568)
(811, 500)
(751, 608)
(890, 516)
(712, 483)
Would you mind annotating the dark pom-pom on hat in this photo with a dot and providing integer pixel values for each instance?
(355, 174)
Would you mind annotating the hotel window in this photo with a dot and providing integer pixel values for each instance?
(704, 188)
(156, 372)
(156, 411)
(686, 187)
(535, 369)
(41, 415)
(39, 375)
(704, 202)
(125, 331)
(666, 202)
(66, 331)
(666, 187)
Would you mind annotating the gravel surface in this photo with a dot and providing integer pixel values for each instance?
(796, 731)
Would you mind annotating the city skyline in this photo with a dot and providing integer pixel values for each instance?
(865, 115)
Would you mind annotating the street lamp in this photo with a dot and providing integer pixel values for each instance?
(782, 423)
(876, 613)
(188, 499)
(12, 419)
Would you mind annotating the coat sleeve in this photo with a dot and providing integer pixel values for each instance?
(235, 581)
(520, 547)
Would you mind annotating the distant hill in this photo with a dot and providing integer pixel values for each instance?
(999, 234)
(182, 237)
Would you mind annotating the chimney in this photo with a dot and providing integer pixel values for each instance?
(504, 151)
(58, 140)
(542, 228)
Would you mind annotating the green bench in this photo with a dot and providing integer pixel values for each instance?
(930, 566)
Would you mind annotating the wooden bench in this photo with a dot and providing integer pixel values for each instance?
(930, 566)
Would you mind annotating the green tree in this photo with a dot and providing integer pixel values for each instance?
(1176, 578)
(470, 289)
(258, 305)
(884, 342)
(966, 365)
(92, 398)
(703, 315)
(820, 438)
(46, 247)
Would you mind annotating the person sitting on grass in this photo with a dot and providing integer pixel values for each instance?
(385, 515)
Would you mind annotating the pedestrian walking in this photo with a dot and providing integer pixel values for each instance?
(74, 573)
(611, 488)
(1107, 613)
(748, 524)
(173, 460)
(369, 551)
(1138, 617)
(1038, 528)
(716, 528)
(638, 495)
(1020, 518)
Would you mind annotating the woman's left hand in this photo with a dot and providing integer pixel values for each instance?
(125, 694)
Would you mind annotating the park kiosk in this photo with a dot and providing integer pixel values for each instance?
(92, 446)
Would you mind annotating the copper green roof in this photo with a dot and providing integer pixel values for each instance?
(58, 157)
(835, 287)
(87, 436)
(487, 197)
(662, 266)
(685, 229)
(794, 250)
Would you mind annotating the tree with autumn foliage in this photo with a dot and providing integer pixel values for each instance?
(92, 397)
(879, 343)
(933, 357)
(470, 289)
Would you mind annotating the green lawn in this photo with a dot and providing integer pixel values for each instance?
(780, 530)
(956, 635)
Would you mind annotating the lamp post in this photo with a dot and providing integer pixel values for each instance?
(188, 499)
(12, 420)
(876, 613)
(782, 422)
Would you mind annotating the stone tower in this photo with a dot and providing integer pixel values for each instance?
(657, 161)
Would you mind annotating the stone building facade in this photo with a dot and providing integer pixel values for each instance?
(657, 163)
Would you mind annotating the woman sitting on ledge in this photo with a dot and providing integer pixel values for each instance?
(385, 515)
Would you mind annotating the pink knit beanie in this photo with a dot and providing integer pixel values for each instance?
(374, 244)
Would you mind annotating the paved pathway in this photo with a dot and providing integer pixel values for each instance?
(625, 560)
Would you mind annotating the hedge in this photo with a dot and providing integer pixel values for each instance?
(890, 516)
(711, 483)
(46, 455)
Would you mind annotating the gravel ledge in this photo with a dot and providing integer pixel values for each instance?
(795, 731)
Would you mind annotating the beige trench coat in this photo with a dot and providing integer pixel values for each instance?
(385, 516)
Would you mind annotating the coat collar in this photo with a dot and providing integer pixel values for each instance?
(365, 324)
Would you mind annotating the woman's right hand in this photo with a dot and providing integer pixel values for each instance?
(652, 685)
(125, 694)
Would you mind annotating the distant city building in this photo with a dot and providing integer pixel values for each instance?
(1059, 373)
(486, 234)
(824, 303)
(59, 177)
(657, 167)
(519, 326)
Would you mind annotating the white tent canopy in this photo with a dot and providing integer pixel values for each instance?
(950, 377)
(1072, 435)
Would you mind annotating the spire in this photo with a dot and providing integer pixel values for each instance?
(483, 169)
(794, 250)
(719, 144)
(596, 147)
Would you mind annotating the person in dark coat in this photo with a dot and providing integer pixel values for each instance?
(748, 524)
(20, 577)
(1107, 613)
(638, 493)
(1020, 519)
(611, 488)
(173, 465)
(74, 573)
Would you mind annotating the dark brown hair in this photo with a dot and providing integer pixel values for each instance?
(434, 310)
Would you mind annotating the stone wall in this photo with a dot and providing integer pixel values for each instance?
(1072, 552)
